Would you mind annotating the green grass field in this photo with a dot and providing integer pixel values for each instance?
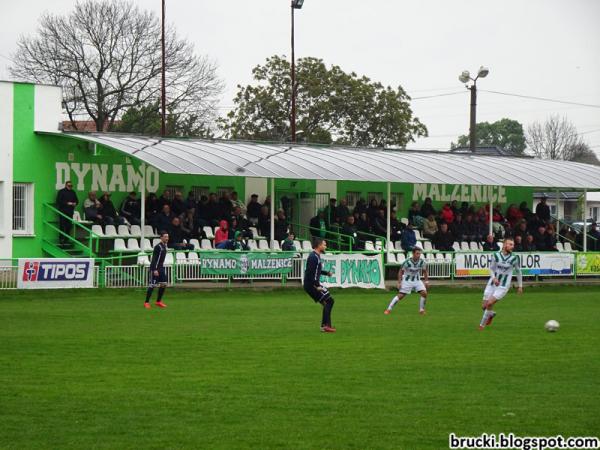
(246, 369)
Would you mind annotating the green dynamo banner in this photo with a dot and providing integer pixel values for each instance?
(235, 263)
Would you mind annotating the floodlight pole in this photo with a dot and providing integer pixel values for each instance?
(389, 215)
(142, 206)
(585, 220)
(163, 95)
(272, 213)
(557, 216)
(293, 76)
(491, 212)
(473, 122)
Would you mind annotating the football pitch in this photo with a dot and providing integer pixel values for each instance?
(250, 369)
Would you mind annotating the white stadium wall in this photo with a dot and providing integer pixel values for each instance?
(48, 108)
(6, 168)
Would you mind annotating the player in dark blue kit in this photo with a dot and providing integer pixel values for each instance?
(158, 276)
(312, 283)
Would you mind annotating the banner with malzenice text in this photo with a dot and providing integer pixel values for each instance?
(238, 263)
(352, 270)
(477, 264)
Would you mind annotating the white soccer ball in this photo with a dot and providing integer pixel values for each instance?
(552, 326)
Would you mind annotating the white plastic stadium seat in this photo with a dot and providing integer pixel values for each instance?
(124, 231)
(149, 232)
(440, 257)
(181, 258)
(147, 245)
(297, 245)
(195, 243)
(404, 220)
(110, 231)
(427, 246)
(400, 258)
(263, 245)
(559, 247)
(97, 229)
(120, 245)
(398, 246)
(252, 245)
(391, 258)
(567, 246)
(499, 245)
(136, 231)
(390, 247)
(169, 259)
(369, 246)
(193, 258)
(155, 242)
(418, 235)
(143, 260)
(456, 247)
(473, 246)
(255, 233)
(209, 232)
(306, 247)
(205, 244)
(276, 246)
(133, 245)
(464, 246)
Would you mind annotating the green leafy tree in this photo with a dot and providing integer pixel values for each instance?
(504, 133)
(146, 120)
(332, 106)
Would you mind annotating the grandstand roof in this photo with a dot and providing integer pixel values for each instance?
(234, 158)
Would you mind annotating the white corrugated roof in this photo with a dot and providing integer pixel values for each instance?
(232, 158)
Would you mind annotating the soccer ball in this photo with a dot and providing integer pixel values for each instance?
(552, 326)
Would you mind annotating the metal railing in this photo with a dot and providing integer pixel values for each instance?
(92, 238)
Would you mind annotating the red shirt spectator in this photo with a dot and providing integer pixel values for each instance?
(222, 233)
(447, 214)
(514, 215)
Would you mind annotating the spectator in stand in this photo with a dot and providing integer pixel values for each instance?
(430, 227)
(190, 201)
(459, 229)
(442, 240)
(165, 199)
(360, 207)
(225, 206)
(237, 203)
(213, 212)
(594, 234)
(454, 208)
(525, 211)
(550, 240)
(318, 226)
(446, 214)
(264, 222)
(396, 227)
(281, 226)
(164, 219)
(489, 245)
(380, 224)
(222, 233)
(349, 229)
(109, 212)
(543, 210)
(518, 243)
(189, 223)
(372, 210)
(92, 208)
(363, 226)
(539, 238)
(130, 209)
(202, 212)
(234, 227)
(534, 223)
(288, 244)
(177, 235)
(66, 201)
(514, 215)
(331, 211)
(342, 211)
(471, 230)
(427, 209)
(178, 205)
(253, 210)
(243, 223)
(237, 243)
(567, 234)
(153, 208)
(414, 215)
(267, 202)
(464, 209)
(529, 244)
(521, 230)
(409, 238)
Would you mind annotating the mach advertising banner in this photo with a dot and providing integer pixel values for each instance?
(54, 273)
(234, 263)
(476, 264)
(588, 263)
(352, 270)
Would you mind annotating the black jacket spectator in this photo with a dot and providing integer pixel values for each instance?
(380, 224)
(490, 245)
(66, 200)
(264, 222)
(442, 240)
(459, 229)
(281, 226)
(178, 205)
(131, 209)
(427, 208)
(108, 210)
(164, 219)
(543, 211)
(253, 209)
(539, 239)
(318, 225)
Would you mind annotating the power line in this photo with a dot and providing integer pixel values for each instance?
(541, 98)
(439, 95)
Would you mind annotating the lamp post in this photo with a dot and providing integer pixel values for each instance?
(296, 4)
(163, 94)
(465, 77)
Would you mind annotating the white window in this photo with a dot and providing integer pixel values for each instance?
(174, 189)
(352, 198)
(397, 200)
(199, 191)
(224, 189)
(375, 195)
(22, 208)
(553, 210)
(595, 213)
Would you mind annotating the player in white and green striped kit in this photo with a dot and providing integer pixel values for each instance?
(409, 279)
(504, 263)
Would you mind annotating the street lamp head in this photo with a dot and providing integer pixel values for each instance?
(464, 77)
(483, 71)
(297, 4)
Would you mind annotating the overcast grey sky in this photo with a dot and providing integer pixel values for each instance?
(543, 48)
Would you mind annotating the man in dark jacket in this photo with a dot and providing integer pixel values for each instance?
(108, 210)
(543, 210)
(131, 209)
(442, 240)
(312, 283)
(318, 225)
(253, 209)
(66, 201)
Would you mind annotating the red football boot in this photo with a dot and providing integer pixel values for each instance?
(160, 304)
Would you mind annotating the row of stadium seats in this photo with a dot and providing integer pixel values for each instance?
(132, 245)
(123, 231)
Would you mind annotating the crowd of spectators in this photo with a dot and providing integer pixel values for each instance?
(531, 230)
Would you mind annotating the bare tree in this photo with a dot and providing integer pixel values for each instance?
(581, 152)
(556, 138)
(106, 55)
